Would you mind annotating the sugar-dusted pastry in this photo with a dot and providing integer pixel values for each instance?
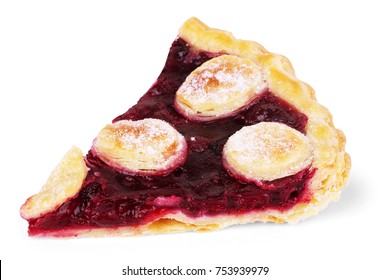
(226, 135)
(144, 147)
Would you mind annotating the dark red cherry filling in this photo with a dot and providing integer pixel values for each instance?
(201, 186)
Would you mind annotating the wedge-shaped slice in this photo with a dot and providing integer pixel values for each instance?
(226, 135)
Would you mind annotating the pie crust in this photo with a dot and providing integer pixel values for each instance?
(145, 147)
(271, 151)
(219, 87)
(322, 148)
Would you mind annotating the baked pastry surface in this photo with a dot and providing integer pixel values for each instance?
(192, 173)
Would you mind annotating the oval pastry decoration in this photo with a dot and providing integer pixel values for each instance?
(144, 147)
(267, 151)
(219, 87)
(64, 182)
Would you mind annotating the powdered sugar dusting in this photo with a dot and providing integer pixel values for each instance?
(221, 85)
(264, 144)
(267, 151)
(148, 144)
(139, 134)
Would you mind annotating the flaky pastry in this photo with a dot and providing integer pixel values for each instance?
(267, 151)
(64, 182)
(148, 146)
(219, 87)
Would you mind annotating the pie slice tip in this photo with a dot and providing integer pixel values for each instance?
(226, 135)
(64, 183)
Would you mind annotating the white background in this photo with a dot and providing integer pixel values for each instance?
(69, 67)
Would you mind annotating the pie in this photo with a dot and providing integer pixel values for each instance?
(226, 135)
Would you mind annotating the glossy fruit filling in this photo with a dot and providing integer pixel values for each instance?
(200, 187)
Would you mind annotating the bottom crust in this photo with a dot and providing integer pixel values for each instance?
(175, 223)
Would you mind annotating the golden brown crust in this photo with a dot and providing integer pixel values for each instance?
(218, 87)
(330, 159)
(267, 151)
(148, 146)
(64, 182)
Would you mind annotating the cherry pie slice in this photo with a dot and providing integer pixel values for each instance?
(226, 135)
